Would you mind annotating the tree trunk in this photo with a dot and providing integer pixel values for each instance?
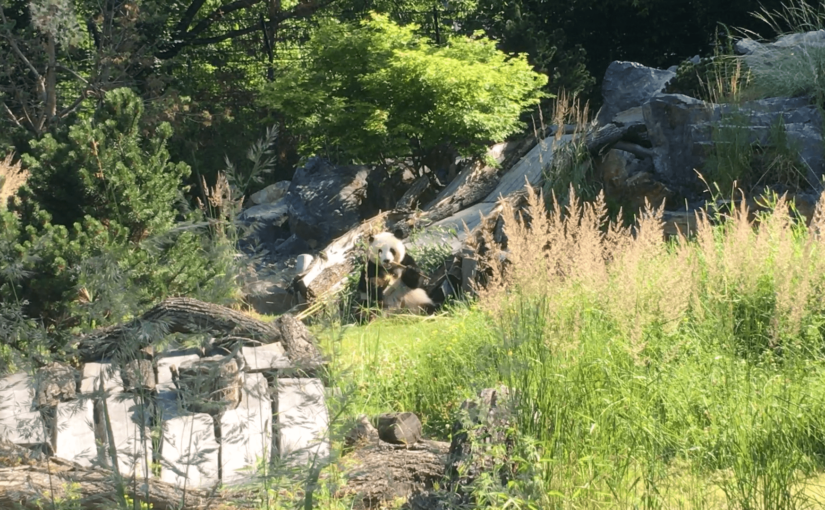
(186, 315)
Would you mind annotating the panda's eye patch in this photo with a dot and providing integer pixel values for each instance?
(392, 250)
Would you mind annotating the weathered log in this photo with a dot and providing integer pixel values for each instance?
(187, 315)
(476, 180)
(412, 196)
(605, 137)
(635, 149)
(32, 483)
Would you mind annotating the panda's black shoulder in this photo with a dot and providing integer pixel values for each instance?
(409, 261)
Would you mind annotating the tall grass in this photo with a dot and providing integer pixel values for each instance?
(797, 70)
(639, 364)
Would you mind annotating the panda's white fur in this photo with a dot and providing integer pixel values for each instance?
(386, 249)
(389, 251)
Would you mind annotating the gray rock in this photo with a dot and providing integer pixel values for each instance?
(747, 47)
(399, 428)
(750, 48)
(55, 383)
(130, 419)
(20, 423)
(325, 200)
(302, 421)
(271, 193)
(75, 432)
(268, 298)
(265, 358)
(275, 214)
(138, 375)
(246, 431)
(627, 85)
(190, 451)
(681, 131)
(362, 433)
(210, 385)
(92, 375)
(165, 370)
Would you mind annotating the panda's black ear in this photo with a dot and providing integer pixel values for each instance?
(371, 239)
(398, 233)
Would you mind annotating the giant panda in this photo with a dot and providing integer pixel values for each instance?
(391, 279)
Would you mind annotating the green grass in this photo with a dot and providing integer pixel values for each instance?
(676, 376)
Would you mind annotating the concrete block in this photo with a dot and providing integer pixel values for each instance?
(75, 435)
(20, 423)
(189, 452)
(265, 357)
(93, 372)
(130, 428)
(302, 421)
(246, 431)
(165, 363)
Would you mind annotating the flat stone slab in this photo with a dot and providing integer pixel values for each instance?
(303, 421)
(94, 372)
(265, 357)
(76, 432)
(189, 451)
(20, 423)
(246, 431)
(130, 428)
(164, 365)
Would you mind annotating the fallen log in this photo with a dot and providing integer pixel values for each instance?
(187, 315)
(35, 483)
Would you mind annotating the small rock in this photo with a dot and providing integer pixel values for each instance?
(399, 428)
(271, 193)
(362, 433)
(210, 385)
(55, 383)
(303, 262)
(138, 375)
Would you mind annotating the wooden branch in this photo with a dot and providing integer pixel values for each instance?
(604, 137)
(16, 49)
(188, 17)
(635, 149)
(186, 315)
(11, 116)
(191, 37)
(217, 14)
(33, 484)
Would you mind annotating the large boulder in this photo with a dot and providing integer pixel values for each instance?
(325, 200)
(749, 47)
(627, 85)
(681, 132)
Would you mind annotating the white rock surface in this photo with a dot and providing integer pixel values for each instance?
(302, 421)
(246, 431)
(20, 423)
(265, 357)
(130, 428)
(76, 432)
(189, 452)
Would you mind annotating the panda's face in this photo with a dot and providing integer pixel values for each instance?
(387, 249)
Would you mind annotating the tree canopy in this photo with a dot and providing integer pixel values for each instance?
(378, 90)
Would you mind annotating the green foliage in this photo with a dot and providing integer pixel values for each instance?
(107, 168)
(378, 91)
(114, 249)
(735, 160)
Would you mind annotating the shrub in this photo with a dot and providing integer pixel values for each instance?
(379, 91)
(106, 245)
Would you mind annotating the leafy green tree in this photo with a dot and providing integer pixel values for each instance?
(98, 216)
(106, 168)
(377, 90)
